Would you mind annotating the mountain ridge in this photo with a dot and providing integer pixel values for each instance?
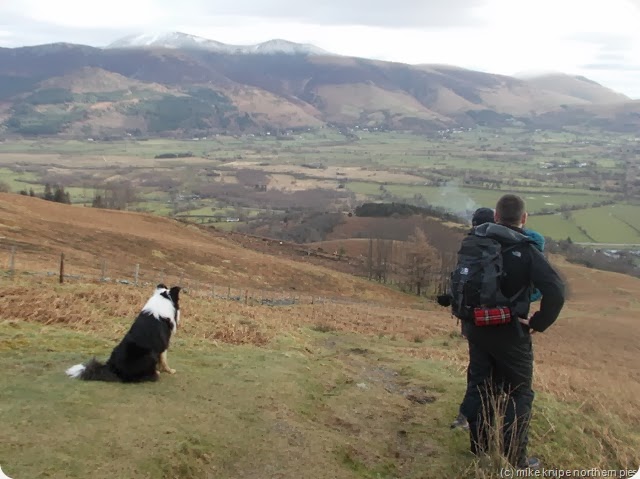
(63, 89)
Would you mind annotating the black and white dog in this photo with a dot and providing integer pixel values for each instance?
(142, 353)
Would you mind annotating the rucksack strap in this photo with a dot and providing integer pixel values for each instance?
(511, 299)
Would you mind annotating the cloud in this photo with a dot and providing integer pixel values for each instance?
(606, 41)
(140, 13)
(610, 57)
(380, 13)
(80, 14)
(611, 66)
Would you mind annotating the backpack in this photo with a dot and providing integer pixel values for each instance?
(476, 282)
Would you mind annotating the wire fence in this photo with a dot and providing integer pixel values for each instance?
(145, 277)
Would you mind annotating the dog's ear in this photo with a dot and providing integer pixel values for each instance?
(174, 292)
(161, 286)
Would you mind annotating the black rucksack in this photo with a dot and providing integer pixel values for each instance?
(476, 280)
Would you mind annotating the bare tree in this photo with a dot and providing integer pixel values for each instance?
(422, 262)
(115, 195)
(383, 258)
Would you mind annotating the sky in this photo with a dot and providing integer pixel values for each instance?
(595, 38)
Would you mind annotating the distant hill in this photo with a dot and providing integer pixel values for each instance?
(178, 84)
(577, 87)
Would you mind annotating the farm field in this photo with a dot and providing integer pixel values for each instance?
(576, 172)
(613, 224)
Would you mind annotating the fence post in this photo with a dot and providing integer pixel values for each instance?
(12, 261)
(104, 270)
(228, 292)
(61, 268)
(135, 277)
(246, 296)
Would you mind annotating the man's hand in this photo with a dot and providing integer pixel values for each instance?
(526, 323)
(444, 300)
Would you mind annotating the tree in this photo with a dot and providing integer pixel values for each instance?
(48, 195)
(98, 202)
(421, 261)
(115, 196)
(382, 260)
(61, 196)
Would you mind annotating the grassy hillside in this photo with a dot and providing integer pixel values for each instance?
(323, 390)
(42, 230)
(303, 391)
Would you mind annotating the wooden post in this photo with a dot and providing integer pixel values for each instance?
(12, 261)
(137, 272)
(61, 268)
(246, 296)
(228, 292)
(104, 270)
(213, 290)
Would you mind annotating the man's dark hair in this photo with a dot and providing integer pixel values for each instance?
(482, 215)
(510, 209)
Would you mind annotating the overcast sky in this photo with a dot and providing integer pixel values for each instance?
(595, 38)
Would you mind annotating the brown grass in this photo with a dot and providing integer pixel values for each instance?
(588, 358)
(164, 249)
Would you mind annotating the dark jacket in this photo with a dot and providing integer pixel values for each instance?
(524, 265)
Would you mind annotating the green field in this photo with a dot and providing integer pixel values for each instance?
(554, 226)
(17, 181)
(611, 224)
(608, 224)
(459, 171)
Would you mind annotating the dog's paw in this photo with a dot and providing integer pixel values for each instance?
(171, 371)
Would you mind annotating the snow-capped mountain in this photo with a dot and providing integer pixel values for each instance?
(179, 40)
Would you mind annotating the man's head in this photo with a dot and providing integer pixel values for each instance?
(481, 216)
(510, 211)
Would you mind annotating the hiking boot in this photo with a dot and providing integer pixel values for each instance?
(531, 463)
(460, 422)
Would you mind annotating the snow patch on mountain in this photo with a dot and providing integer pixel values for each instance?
(179, 40)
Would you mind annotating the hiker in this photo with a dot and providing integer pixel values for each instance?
(495, 308)
(481, 216)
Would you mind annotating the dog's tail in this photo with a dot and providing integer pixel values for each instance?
(94, 370)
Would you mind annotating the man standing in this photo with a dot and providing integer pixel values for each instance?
(500, 350)
(480, 216)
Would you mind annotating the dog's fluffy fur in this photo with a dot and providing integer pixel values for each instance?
(144, 348)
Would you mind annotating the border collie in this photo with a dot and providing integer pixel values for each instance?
(142, 353)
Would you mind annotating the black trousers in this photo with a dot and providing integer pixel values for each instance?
(499, 384)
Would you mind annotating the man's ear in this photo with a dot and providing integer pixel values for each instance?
(496, 217)
(524, 218)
